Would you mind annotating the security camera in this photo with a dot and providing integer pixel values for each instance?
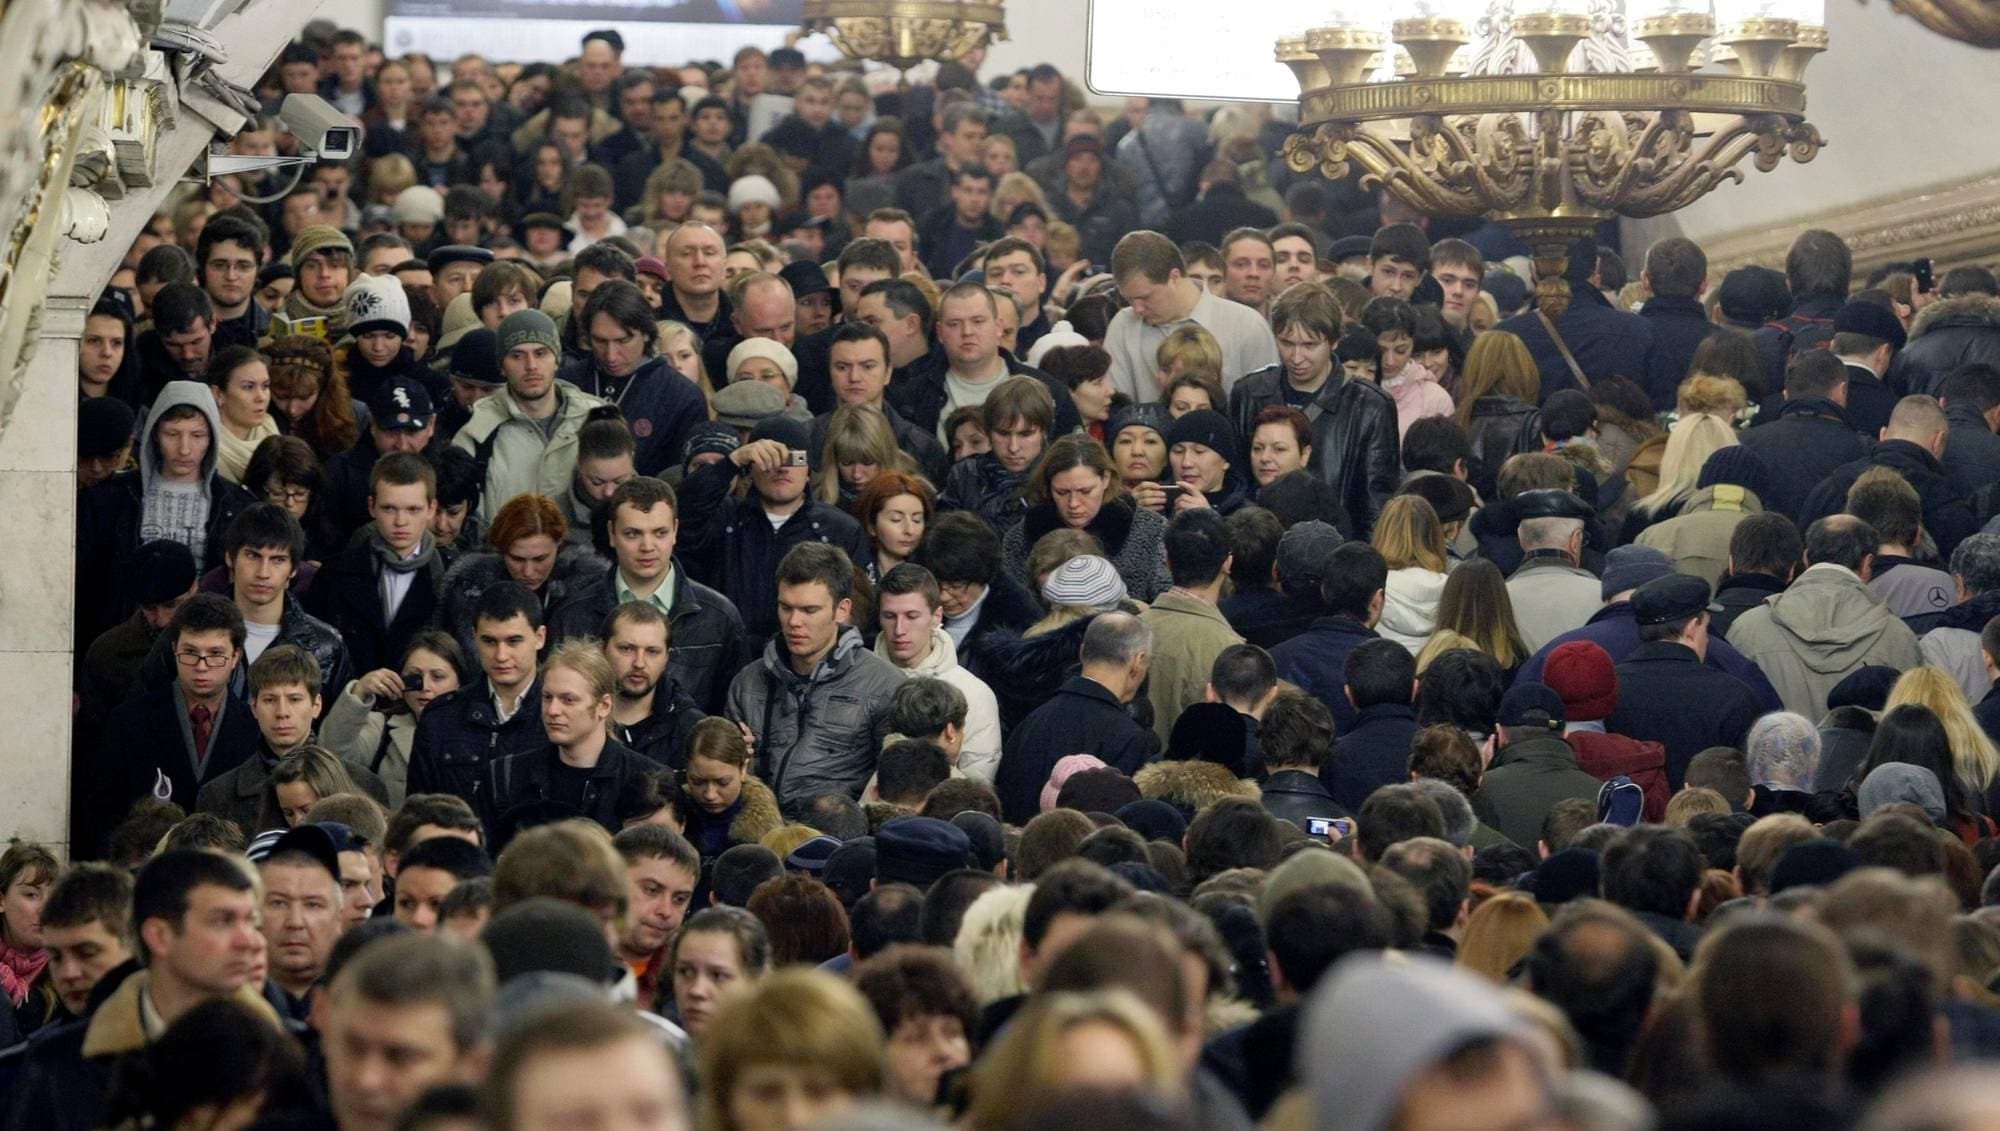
(323, 131)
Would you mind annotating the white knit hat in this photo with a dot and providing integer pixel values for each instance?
(419, 204)
(1087, 581)
(1060, 335)
(753, 189)
(377, 302)
(767, 348)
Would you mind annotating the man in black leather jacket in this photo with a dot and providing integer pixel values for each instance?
(1355, 448)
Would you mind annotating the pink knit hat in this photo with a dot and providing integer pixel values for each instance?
(1067, 767)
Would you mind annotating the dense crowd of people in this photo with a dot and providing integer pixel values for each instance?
(737, 595)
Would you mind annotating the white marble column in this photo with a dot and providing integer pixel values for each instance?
(37, 556)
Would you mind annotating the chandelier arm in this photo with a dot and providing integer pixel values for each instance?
(1475, 164)
(1397, 172)
(1696, 175)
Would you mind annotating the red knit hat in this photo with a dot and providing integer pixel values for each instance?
(1582, 673)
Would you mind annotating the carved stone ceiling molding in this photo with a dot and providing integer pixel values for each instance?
(1953, 223)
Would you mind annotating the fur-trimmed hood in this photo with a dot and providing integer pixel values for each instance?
(759, 814)
(1192, 786)
(1964, 310)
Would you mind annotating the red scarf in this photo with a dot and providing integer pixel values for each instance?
(19, 969)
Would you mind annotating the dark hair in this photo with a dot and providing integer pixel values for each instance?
(1435, 443)
(802, 916)
(1598, 965)
(822, 562)
(1445, 753)
(961, 795)
(1197, 545)
(946, 902)
(738, 872)
(1914, 735)
(1234, 832)
(922, 707)
(1565, 820)
(1243, 673)
(907, 982)
(1461, 687)
(1076, 887)
(224, 228)
(1765, 542)
(168, 264)
(624, 303)
(445, 810)
(1393, 814)
(208, 612)
(1406, 242)
(1652, 869)
(1438, 871)
(91, 892)
(505, 600)
(1769, 996)
(461, 858)
(265, 526)
(1977, 384)
(217, 1054)
(903, 299)
(860, 332)
(911, 768)
(289, 459)
(1842, 540)
(1819, 264)
(1355, 572)
(886, 916)
(1389, 315)
(1813, 373)
(459, 478)
(1314, 927)
(960, 547)
(1893, 840)
(1380, 672)
(1676, 267)
(164, 885)
(837, 815)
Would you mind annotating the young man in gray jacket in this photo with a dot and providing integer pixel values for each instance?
(818, 699)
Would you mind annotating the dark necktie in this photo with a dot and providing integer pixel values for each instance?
(201, 721)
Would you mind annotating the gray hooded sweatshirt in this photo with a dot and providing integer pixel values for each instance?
(178, 511)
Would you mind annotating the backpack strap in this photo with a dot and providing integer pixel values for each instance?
(1569, 358)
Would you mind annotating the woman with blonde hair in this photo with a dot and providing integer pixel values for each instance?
(859, 446)
(1975, 760)
(682, 350)
(1474, 605)
(301, 780)
(1014, 190)
(1062, 1042)
(1411, 540)
(1500, 934)
(1497, 393)
(388, 176)
(792, 1051)
(1691, 440)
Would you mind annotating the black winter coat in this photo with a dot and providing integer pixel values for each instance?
(347, 594)
(1947, 511)
(1316, 660)
(1495, 432)
(1268, 617)
(1972, 453)
(1219, 211)
(144, 751)
(1356, 447)
(1809, 439)
(1004, 615)
(1679, 327)
(1738, 593)
(470, 576)
(1963, 330)
(1024, 671)
(1808, 326)
(525, 780)
(1605, 341)
(1082, 718)
(107, 535)
(659, 403)
(705, 648)
(1668, 696)
(1297, 796)
(730, 546)
(663, 735)
(460, 735)
(1870, 401)
(1371, 753)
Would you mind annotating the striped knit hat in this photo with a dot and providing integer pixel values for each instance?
(1087, 581)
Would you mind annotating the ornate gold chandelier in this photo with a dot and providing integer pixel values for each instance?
(903, 33)
(1551, 115)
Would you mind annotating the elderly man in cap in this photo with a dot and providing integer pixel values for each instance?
(525, 436)
(1667, 694)
(1614, 628)
(302, 910)
(1533, 768)
(1551, 591)
(323, 265)
(1420, 1046)
(454, 268)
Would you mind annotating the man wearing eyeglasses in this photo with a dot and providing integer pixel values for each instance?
(230, 255)
(170, 740)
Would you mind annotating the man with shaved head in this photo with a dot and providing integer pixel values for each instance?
(1912, 445)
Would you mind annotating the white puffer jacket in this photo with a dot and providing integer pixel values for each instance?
(1410, 606)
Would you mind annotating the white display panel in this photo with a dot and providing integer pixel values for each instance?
(1204, 50)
